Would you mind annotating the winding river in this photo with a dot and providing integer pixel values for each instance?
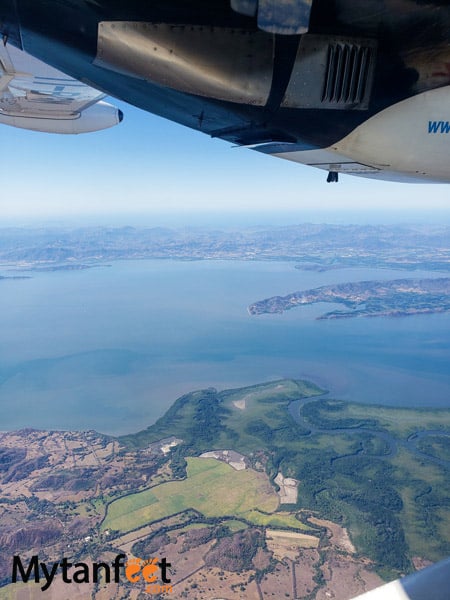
(393, 443)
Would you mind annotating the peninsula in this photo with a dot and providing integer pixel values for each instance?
(394, 298)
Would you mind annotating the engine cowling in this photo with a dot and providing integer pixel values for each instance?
(94, 118)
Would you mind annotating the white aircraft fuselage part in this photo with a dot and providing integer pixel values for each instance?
(390, 591)
(432, 583)
(409, 141)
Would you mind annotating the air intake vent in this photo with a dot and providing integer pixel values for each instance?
(347, 74)
(332, 72)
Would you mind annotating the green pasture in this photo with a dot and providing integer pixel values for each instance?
(213, 488)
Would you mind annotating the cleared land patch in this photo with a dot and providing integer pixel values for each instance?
(211, 487)
(287, 543)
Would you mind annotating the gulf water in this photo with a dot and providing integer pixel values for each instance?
(111, 347)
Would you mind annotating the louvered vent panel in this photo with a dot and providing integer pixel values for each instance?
(347, 74)
(332, 73)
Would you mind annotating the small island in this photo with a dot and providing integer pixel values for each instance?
(395, 298)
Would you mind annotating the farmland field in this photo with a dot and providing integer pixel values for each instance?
(213, 488)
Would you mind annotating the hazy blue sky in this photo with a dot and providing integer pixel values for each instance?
(150, 165)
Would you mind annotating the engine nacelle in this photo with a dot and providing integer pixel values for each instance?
(94, 118)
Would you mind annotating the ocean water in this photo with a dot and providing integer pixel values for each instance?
(110, 348)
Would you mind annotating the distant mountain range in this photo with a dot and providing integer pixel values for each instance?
(313, 247)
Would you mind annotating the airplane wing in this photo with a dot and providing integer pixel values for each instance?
(432, 583)
(36, 96)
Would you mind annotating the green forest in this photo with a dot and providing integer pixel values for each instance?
(362, 466)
